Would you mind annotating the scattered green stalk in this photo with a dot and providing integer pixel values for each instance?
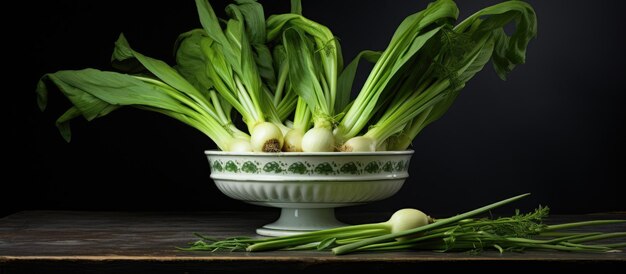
(580, 224)
(457, 233)
(351, 247)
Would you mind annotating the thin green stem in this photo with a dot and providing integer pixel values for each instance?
(350, 247)
(615, 245)
(302, 116)
(293, 240)
(570, 237)
(218, 107)
(247, 102)
(597, 237)
(309, 246)
(282, 78)
(579, 224)
(556, 247)
(408, 110)
(349, 237)
(597, 247)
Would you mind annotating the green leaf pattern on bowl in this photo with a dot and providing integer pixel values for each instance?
(307, 168)
(217, 166)
(372, 167)
(231, 166)
(249, 167)
(273, 167)
(388, 167)
(399, 166)
(298, 168)
(349, 167)
(324, 168)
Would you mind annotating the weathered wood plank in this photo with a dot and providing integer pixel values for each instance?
(48, 238)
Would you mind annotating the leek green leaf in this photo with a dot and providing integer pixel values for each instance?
(346, 78)
(302, 69)
(191, 62)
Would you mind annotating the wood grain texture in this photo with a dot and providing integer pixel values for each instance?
(64, 240)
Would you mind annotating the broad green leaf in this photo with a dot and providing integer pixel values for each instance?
(279, 56)
(96, 93)
(263, 59)
(408, 39)
(235, 33)
(211, 25)
(251, 14)
(388, 82)
(474, 42)
(275, 25)
(222, 77)
(323, 62)
(509, 50)
(163, 72)
(346, 78)
(191, 62)
(489, 41)
(250, 75)
(302, 70)
(254, 19)
(88, 87)
(63, 123)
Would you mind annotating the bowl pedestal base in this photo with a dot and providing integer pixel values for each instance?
(294, 221)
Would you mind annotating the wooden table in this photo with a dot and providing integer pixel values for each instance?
(118, 242)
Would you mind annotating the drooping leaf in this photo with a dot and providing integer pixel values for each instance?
(211, 24)
(470, 45)
(63, 123)
(254, 19)
(191, 62)
(509, 50)
(488, 41)
(96, 93)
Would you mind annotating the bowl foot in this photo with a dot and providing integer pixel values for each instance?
(300, 220)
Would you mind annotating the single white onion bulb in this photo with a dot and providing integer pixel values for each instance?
(318, 139)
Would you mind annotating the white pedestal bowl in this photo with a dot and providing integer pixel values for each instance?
(308, 186)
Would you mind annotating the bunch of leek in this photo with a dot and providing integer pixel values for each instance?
(286, 79)
(411, 229)
(425, 66)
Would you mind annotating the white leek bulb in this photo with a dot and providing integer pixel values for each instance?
(293, 141)
(405, 219)
(240, 145)
(266, 137)
(318, 139)
(359, 144)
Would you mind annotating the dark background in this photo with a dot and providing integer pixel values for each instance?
(555, 128)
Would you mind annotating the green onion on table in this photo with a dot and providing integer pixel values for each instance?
(411, 229)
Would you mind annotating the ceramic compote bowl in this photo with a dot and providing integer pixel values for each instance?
(308, 186)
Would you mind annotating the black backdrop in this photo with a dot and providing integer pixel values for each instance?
(555, 128)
